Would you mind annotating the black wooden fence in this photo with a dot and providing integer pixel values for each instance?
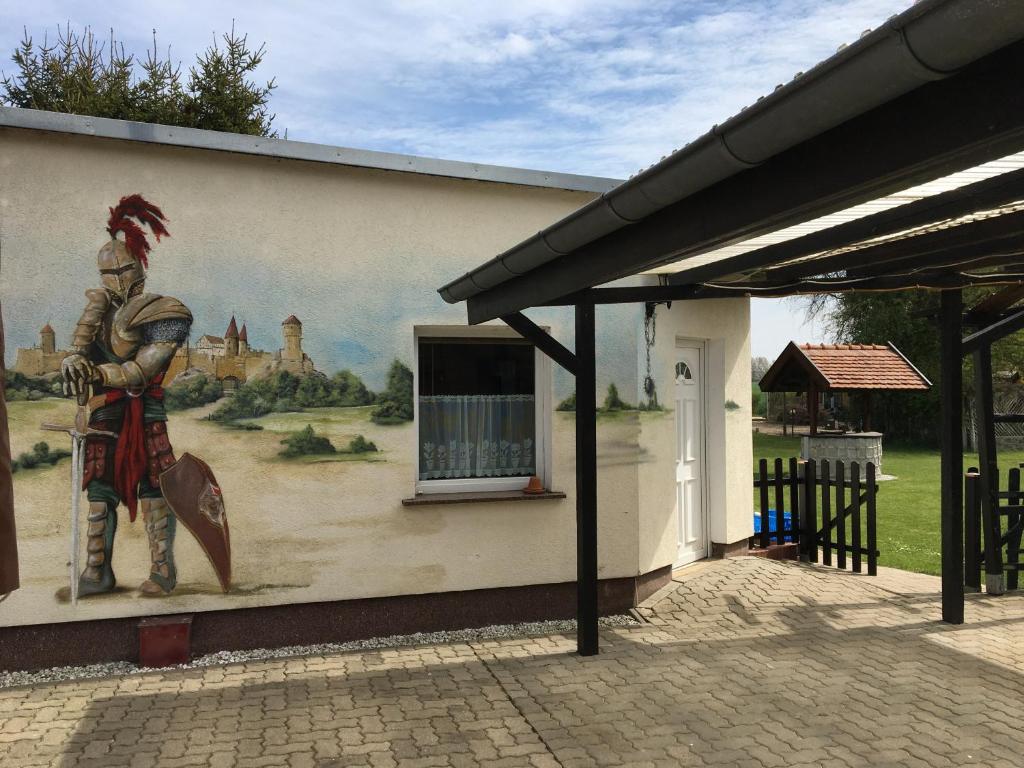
(831, 507)
(993, 531)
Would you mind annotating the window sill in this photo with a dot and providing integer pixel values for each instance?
(478, 497)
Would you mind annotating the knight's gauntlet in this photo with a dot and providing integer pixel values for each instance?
(76, 372)
(136, 374)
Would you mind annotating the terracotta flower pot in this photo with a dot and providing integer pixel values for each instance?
(534, 487)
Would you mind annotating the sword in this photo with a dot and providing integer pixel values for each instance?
(79, 431)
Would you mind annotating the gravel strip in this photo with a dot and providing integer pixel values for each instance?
(494, 632)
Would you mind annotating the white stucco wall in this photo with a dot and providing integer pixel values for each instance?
(723, 325)
(357, 251)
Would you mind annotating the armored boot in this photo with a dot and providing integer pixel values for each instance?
(160, 526)
(98, 576)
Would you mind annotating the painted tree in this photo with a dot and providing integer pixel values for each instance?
(77, 74)
(394, 404)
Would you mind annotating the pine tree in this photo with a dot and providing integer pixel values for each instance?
(79, 75)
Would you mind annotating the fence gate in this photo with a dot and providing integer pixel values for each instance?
(826, 506)
(993, 529)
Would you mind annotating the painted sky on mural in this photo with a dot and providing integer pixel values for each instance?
(595, 88)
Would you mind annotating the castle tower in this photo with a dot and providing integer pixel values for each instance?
(243, 341)
(231, 339)
(292, 330)
(47, 340)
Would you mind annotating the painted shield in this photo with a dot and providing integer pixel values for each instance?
(193, 493)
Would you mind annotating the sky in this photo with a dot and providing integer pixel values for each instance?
(597, 88)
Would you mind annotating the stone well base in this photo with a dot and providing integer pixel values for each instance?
(862, 447)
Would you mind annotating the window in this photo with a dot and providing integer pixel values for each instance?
(683, 373)
(480, 423)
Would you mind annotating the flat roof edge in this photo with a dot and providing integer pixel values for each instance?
(218, 141)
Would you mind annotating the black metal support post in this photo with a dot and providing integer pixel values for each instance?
(586, 482)
(952, 522)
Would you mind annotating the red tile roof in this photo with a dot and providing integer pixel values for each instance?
(864, 366)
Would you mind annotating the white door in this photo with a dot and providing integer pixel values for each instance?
(689, 408)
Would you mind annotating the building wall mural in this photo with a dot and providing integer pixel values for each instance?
(262, 399)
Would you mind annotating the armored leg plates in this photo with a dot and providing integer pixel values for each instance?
(160, 527)
(98, 576)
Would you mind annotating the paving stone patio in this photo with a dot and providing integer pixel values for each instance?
(743, 662)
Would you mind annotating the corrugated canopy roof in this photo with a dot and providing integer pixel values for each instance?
(953, 181)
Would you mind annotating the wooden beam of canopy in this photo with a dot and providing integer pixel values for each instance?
(758, 289)
(996, 233)
(951, 483)
(586, 482)
(982, 195)
(993, 333)
(883, 260)
(992, 306)
(939, 281)
(541, 339)
(863, 159)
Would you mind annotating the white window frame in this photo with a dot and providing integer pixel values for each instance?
(543, 396)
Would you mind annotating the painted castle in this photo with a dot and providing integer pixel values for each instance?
(227, 358)
(231, 360)
(42, 360)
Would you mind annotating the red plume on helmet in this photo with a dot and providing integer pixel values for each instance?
(137, 207)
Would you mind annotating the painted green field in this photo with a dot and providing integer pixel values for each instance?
(908, 507)
(339, 425)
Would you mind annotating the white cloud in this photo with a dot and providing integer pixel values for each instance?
(597, 88)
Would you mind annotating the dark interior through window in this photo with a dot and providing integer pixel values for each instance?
(475, 367)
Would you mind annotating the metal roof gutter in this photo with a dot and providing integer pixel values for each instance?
(930, 41)
(194, 138)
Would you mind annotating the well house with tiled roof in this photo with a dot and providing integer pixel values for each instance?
(819, 369)
(842, 368)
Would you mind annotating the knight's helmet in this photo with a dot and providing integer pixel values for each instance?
(123, 263)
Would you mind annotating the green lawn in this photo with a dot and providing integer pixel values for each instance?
(908, 507)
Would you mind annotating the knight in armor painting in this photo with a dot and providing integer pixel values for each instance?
(121, 349)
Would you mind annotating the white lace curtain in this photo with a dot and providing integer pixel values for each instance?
(476, 436)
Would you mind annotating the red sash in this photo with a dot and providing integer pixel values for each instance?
(130, 454)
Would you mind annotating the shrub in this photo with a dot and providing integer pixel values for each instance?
(612, 401)
(191, 393)
(306, 443)
(40, 456)
(360, 444)
(18, 386)
(569, 404)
